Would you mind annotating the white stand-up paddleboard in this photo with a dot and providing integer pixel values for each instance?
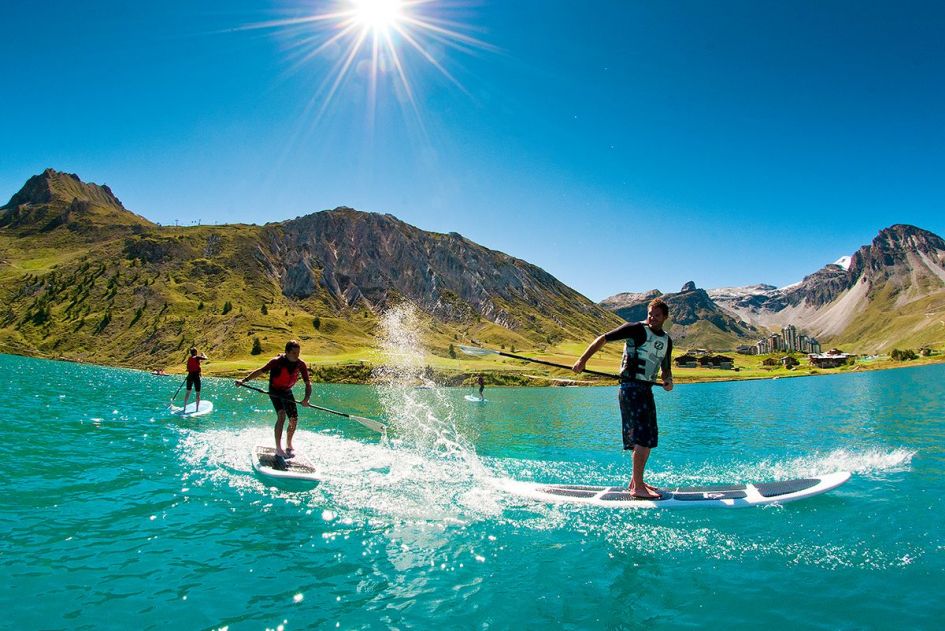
(719, 496)
(475, 399)
(191, 410)
(297, 468)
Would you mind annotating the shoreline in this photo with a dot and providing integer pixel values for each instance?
(360, 374)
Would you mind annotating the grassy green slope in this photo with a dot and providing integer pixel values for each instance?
(141, 300)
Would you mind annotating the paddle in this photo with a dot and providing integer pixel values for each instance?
(369, 423)
(476, 350)
(178, 390)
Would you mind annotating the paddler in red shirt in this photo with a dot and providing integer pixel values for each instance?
(193, 375)
(284, 371)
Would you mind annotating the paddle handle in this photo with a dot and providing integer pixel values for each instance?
(566, 367)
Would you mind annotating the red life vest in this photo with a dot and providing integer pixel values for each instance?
(193, 364)
(283, 374)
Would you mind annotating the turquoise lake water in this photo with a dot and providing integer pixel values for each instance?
(117, 514)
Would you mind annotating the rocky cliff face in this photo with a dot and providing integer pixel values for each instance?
(368, 259)
(904, 255)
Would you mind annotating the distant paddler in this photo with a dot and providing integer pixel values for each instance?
(284, 372)
(482, 385)
(193, 376)
(647, 351)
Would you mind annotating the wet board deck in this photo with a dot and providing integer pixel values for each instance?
(475, 399)
(297, 468)
(191, 410)
(718, 496)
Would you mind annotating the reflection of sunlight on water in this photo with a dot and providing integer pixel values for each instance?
(422, 504)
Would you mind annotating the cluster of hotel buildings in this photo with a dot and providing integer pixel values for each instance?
(788, 340)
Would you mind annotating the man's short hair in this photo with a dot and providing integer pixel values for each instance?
(658, 303)
(292, 344)
(193, 350)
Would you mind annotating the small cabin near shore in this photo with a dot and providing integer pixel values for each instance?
(717, 361)
(830, 359)
(690, 360)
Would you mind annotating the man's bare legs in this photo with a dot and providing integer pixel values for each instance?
(288, 437)
(639, 488)
(280, 421)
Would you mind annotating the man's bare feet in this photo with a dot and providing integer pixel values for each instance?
(648, 492)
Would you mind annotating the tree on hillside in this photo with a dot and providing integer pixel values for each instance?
(264, 310)
(316, 322)
(452, 352)
(227, 307)
(257, 347)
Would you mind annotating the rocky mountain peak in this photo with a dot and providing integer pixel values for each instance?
(53, 199)
(629, 298)
(690, 286)
(900, 245)
(53, 186)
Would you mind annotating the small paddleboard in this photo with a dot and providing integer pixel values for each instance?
(297, 468)
(191, 410)
(475, 399)
(718, 496)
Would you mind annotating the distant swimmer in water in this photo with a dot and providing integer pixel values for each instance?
(482, 385)
(193, 376)
(284, 372)
(647, 351)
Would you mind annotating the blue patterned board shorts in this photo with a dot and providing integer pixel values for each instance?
(638, 412)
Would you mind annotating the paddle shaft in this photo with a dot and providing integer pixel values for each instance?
(372, 424)
(178, 389)
(541, 361)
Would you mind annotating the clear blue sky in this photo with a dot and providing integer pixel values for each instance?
(621, 146)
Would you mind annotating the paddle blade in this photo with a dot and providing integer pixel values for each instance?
(378, 427)
(475, 350)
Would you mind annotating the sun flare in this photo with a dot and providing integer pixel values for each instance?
(372, 44)
(378, 15)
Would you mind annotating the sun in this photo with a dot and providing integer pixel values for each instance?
(373, 43)
(378, 15)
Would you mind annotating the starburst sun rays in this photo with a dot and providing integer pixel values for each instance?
(382, 37)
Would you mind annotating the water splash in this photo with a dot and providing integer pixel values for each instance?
(424, 417)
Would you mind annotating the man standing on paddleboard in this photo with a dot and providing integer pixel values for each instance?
(648, 350)
(193, 377)
(284, 372)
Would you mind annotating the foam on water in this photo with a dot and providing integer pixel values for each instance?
(407, 493)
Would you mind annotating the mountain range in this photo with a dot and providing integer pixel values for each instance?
(84, 278)
(886, 294)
